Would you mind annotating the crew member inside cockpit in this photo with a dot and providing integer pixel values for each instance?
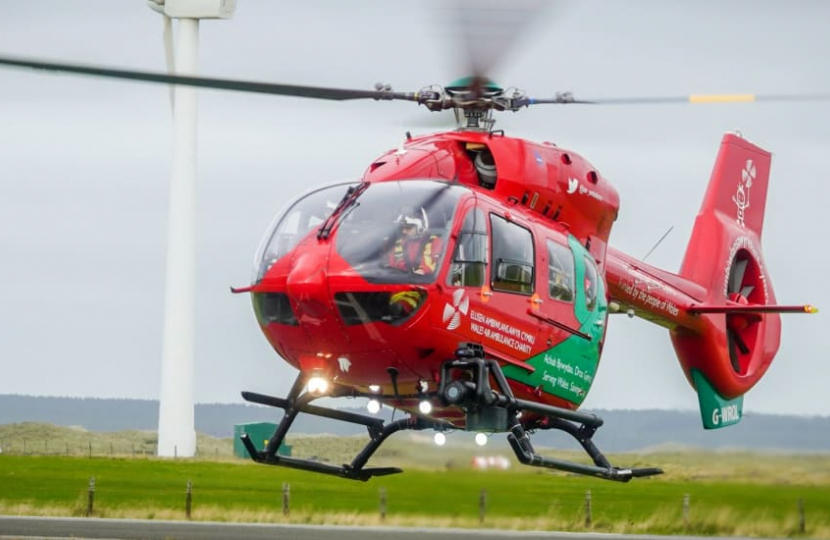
(415, 250)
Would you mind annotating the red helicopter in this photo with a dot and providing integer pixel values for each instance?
(466, 279)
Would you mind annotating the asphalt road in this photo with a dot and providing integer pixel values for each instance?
(123, 529)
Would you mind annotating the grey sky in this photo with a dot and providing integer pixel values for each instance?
(85, 166)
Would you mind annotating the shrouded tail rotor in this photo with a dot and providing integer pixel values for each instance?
(742, 328)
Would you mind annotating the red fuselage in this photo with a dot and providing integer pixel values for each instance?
(512, 253)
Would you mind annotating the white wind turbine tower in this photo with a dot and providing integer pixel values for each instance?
(176, 431)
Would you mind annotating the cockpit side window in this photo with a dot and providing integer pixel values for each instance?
(469, 262)
(560, 272)
(512, 257)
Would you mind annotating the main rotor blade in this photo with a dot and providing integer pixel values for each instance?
(489, 28)
(487, 31)
(315, 92)
(566, 98)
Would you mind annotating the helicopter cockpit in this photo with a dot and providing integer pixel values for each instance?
(397, 232)
(389, 233)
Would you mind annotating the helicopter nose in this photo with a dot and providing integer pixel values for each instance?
(306, 286)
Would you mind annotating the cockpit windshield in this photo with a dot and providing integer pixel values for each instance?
(397, 232)
(295, 221)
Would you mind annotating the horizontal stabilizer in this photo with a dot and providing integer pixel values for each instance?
(751, 308)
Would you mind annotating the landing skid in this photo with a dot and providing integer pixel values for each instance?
(298, 402)
(465, 383)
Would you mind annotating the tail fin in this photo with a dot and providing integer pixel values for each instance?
(736, 346)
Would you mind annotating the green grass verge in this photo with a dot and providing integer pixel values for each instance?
(45, 470)
(526, 499)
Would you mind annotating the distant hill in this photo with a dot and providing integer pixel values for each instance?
(623, 430)
(629, 430)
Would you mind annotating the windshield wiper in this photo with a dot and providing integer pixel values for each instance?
(348, 200)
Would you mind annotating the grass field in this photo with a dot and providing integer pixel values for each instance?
(730, 493)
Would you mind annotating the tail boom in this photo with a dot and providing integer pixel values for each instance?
(647, 292)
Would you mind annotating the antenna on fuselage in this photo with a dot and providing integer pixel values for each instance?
(393, 375)
(658, 243)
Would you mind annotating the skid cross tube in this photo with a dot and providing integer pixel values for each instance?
(465, 382)
(296, 403)
(520, 443)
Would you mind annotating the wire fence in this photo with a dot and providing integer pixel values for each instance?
(100, 448)
(585, 507)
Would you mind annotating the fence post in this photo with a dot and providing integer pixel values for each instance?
(90, 448)
(686, 510)
(383, 504)
(802, 522)
(188, 502)
(286, 498)
(90, 500)
(588, 517)
(482, 505)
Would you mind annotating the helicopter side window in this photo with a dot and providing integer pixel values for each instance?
(590, 284)
(512, 257)
(560, 272)
(470, 257)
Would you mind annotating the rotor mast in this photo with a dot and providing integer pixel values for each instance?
(176, 430)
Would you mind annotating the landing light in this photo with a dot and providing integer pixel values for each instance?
(425, 407)
(318, 385)
(373, 406)
(481, 439)
(440, 439)
(374, 388)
